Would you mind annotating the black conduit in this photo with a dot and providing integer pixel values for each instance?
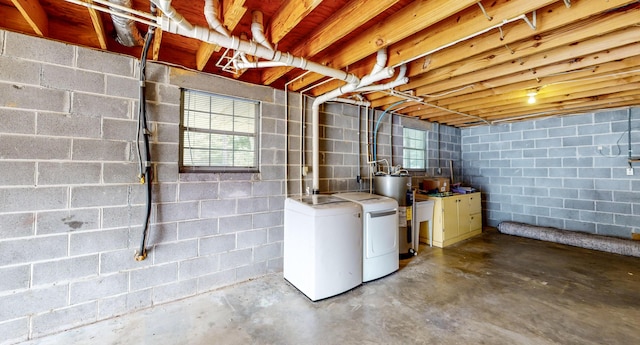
(145, 168)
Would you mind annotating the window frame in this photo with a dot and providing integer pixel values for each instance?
(424, 149)
(184, 130)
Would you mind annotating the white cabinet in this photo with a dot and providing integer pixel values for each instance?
(456, 218)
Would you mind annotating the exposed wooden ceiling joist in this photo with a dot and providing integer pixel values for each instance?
(34, 14)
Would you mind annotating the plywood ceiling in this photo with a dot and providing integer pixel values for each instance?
(469, 62)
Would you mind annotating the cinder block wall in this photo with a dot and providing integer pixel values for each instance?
(564, 172)
(71, 206)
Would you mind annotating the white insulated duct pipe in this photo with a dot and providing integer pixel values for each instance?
(211, 14)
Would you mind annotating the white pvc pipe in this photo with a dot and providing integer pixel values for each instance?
(257, 30)
(383, 73)
(400, 80)
(211, 14)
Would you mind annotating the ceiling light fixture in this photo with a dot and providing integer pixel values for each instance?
(532, 97)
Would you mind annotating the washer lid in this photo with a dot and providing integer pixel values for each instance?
(319, 199)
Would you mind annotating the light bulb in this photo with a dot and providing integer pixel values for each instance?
(532, 97)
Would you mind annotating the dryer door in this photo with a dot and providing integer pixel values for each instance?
(381, 233)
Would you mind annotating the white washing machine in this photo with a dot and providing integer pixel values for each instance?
(380, 255)
(322, 245)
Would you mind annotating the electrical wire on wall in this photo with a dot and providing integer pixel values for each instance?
(146, 170)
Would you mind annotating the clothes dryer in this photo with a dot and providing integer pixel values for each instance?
(380, 255)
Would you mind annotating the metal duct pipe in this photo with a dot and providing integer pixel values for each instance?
(572, 238)
(126, 30)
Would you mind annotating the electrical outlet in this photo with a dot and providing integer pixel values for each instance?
(599, 147)
(629, 171)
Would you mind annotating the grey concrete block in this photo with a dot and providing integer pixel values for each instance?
(29, 147)
(500, 145)
(119, 129)
(268, 219)
(563, 172)
(523, 163)
(578, 183)
(122, 87)
(549, 182)
(120, 173)
(562, 213)
(276, 234)
(16, 225)
(535, 172)
(276, 203)
(175, 291)
(16, 121)
(594, 172)
(59, 77)
(577, 141)
(153, 276)
(523, 200)
(16, 173)
(199, 266)
(64, 270)
(626, 220)
(98, 241)
(253, 205)
(577, 162)
(229, 190)
(470, 139)
(165, 153)
(32, 301)
(536, 191)
(563, 152)
(613, 230)
(100, 150)
(252, 238)
(512, 190)
(588, 205)
(166, 113)
(121, 260)
(66, 173)
(65, 318)
(100, 106)
(38, 49)
(549, 143)
(105, 195)
(156, 234)
(197, 228)
(599, 195)
(98, 288)
(218, 208)
(14, 278)
(251, 271)
(172, 212)
(267, 252)
(17, 330)
(548, 163)
(535, 134)
(549, 122)
(273, 141)
(123, 216)
(580, 226)
(532, 153)
(235, 259)
(166, 133)
(106, 63)
(156, 72)
(33, 199)
(19, 71)
(489, 155)
(223, 86)
(178, 251)
(613, 207)
(574, 120)
(216, 280)
(169, 94)
(273, 172)
(536, 210)
(267, 188)
(123, 304)
(621, 196)
(53, 222)
(34, 98)
(568, 131)
(551, 222)
(274, 265)
(235, 223)
(218, 244)
(591, 129)
(198, 191)
(167, 172)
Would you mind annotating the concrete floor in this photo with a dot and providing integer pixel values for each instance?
(492, 289)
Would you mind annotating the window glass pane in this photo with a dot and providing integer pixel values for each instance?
(218, 132)
(414, 148)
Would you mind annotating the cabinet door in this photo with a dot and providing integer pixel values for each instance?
(474, 203)
(450, 217)
(463, 214)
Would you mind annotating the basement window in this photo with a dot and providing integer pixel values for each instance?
(414, 148)
(218, 133)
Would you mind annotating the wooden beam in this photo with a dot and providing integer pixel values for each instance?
(34, 14)
(604, 48)
(233, 11)
(98, 26)
(550, 18)
(348, 18)
(290, 13)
